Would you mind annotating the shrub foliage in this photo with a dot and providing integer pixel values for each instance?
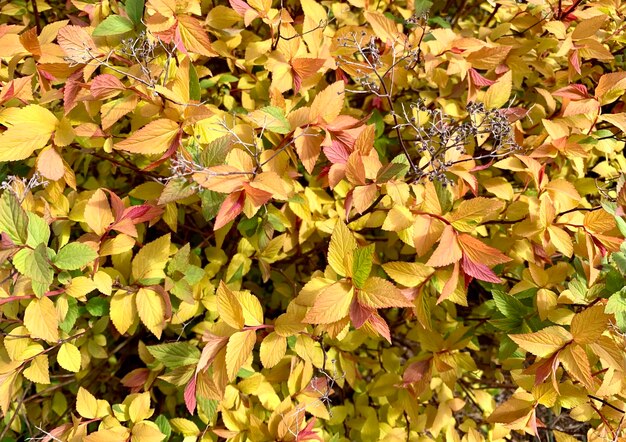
(297, 220)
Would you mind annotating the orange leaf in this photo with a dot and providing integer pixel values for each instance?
(328, 104)
(155, 137)
(230, 209)
(194, 37)
(448, 250)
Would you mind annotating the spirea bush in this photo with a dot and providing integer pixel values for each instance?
(291, 220)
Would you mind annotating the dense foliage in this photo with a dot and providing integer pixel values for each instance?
(297, 220)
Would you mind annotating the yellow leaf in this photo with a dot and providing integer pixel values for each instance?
(139, 409)
(69, 357)
(544, 342)
(229, 308)
(194, 37)
(471, 212)
(185, 426)
(342, 243)
(41, 319)
(155, 137)
(272, 350)
(290, 323)
(379, 293)
(561, 240)
(238, 350)
(88, 407)
(252, 310)
(79, 287)
(150, 261)
(331, 304)
(115, 434)
(498, 93)
(38, 371)
(398, 218)
(123, 310)
(29, 129)
(146, 431)
(575, 361)
(409, 274)
(385, 28)
(588, 325)
(119, 244)
(328, 104)
(151, 310)
(98, 215)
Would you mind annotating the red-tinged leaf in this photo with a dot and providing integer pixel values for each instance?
(478, 271)
(448, 250)
(573, 92)
(72, 87)
(337, 153)
(213, 346)
(478, 79)
(304, 68)
(308, 432)
(136, 379)
(380, 326)
(546, 368)
(239, 6)
(416, 371)
(574, 61)
(450, 285)
(230, 209)
(479, 252)
(171, 150)
(359, 314)
(106, 86)
(190, 395)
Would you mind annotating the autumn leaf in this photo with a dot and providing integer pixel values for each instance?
(28, 130)
(154, 138)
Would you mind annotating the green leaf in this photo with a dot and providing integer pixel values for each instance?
(38, 230)
(113, 25)
(215, 153)
(272, 118)
(617, 302)
(97, 307)
(195, 92)
(175, 354)
(74, 255)
(211, 202)
(208, 407)
(362, 264)
(509, 305)
(422, 6)
(34, 263)
(444, 195)
(134, 10)
(13, 219)
(620, 261)
(164, 426)
(71, 316)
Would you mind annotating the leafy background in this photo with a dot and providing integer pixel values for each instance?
(301, 220)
